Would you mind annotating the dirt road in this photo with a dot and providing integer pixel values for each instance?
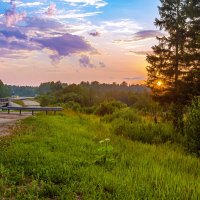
(7, 121)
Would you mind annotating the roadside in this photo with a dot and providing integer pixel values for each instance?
(7, 121)
(31, 103)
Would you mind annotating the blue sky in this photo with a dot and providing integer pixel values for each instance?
(75, 40)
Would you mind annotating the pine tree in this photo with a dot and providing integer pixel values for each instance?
(174, 66)
(192, 55)
(166, 66)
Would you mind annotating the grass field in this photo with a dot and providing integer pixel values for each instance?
(74, 156)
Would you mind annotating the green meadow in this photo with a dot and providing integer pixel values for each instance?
(77, 156)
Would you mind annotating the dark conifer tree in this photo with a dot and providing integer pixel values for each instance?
(192, 55)
(166, 66)
(174, 66)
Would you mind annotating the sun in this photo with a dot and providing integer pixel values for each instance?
(159, 83)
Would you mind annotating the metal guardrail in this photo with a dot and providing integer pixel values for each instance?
(4, 100)
(32, 109)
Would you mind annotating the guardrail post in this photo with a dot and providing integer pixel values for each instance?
(8, 111)
(20, 112)
(32, 112)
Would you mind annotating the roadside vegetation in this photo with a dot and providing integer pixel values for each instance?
(19, 102)
(115, 141)
(77, 156)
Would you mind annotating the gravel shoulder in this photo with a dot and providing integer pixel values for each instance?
(7, 121)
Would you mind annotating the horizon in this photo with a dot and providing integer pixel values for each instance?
(76, 40)
(78, 83)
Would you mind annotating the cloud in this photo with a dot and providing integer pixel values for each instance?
(18, 44)
(39, 33)
(101, 64)
(11, 16)
(51, 11)
(140, 36)
(94, 33)
(12, 54)
(146, 34)
(65, 45)
(28, 4)
(75, 14)
(140, 53)
(96, 3)
(13, 33)
(57, 46)
(122, 26)
(84, 61)
(43, 23)
(134, 78)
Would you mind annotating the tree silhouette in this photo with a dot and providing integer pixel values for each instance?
(173, 70)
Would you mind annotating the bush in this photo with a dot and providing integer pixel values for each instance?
(192, 127)
(109, 107)
(73, 106)
(128, 114)
(129, 123)
(46, 100)
(89, 110)
(147, 132)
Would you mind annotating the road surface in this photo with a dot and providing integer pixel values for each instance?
(7, 121)
(31, 103)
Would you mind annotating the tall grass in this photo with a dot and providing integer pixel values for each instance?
(57, 157)
(129, 123)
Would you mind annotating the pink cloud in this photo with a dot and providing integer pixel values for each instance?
(85, 62)
(94, 33)
(51, 10)
(12, 17)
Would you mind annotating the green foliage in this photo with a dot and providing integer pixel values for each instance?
(89, 110)
(129, 123)
(54, 157)
(72, 96)
(105, 152)
(109, 107)
(46, 100)
(127, 114)
(23, 91)
(92, 94)
(192, 127)
(4, 90)
(49, 87)
(146, 132)
(73, 106)
(19, 102)
(176, 59)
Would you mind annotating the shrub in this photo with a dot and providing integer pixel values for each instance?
(46, 100)
(73, 106)
(109, 107)
(147, 132)
(89, 110)
(192, 127)
(128, 114)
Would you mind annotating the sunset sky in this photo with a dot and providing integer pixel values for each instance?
(75, 40)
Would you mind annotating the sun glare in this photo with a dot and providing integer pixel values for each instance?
(159, 83)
